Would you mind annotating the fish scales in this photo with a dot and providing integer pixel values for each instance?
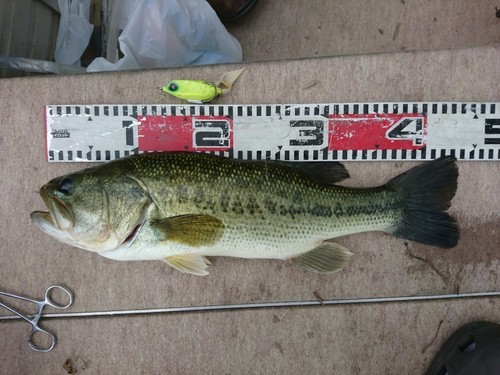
(261, 203)
(181, 207)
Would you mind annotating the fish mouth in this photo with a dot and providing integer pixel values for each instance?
(59, 215)
(43, 220)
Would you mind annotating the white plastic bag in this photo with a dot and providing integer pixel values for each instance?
(166, 33)
(74, 31)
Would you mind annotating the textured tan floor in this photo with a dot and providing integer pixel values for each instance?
(374, 339)
(368, 339)
(299, 29)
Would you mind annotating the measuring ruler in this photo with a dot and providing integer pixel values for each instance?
(293, 132)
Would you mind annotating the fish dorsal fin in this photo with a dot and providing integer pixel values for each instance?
(324, 173)
(326, 258)
(190, 230)
(189, 263)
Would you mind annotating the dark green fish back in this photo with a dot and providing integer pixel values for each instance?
(266, 198)
(270, 191)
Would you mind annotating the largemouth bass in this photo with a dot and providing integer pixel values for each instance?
(182, 207)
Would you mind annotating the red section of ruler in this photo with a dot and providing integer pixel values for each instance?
(392, 131)
(185, 133)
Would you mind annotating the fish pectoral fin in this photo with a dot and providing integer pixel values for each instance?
(189, 263)
(227, 79)
(326, 258)
(190, 230)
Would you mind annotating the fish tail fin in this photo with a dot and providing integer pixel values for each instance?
(427, 191)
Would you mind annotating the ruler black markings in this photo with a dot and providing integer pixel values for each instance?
(295, 132)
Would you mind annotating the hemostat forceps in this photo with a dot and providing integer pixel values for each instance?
(33, 320)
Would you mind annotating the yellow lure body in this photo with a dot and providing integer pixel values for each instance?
(199, 91)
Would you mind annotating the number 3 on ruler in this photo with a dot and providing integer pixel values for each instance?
(312, 133)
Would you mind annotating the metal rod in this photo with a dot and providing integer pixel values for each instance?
(262, 305)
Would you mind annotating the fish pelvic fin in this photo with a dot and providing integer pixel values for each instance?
(326, 258)
(190, 230)
(189, 263)
(426, 192)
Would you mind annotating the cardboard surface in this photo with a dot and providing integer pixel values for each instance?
(278, 30)
(373, 339)
(229, 342)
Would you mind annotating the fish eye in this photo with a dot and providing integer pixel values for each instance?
(173, 87)
(66, 186)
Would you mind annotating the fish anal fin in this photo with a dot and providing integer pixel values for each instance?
(189, 263)
(190, 230)
(326, 258)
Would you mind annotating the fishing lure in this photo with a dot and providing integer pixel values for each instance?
(199, 91)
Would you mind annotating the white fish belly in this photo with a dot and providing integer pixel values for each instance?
(282, 239)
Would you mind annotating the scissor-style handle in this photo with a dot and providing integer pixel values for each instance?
(39, 331)
(50, 301)
(36, 330)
